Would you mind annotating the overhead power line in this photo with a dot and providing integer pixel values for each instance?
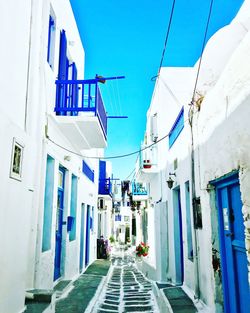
(115, 156)
(167, 35)
(203, 47)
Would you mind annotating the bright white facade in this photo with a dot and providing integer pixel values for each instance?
(49, 217)
(198, 201)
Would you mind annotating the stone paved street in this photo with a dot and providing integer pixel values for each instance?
(127, 289)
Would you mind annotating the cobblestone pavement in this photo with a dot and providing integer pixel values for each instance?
(127, 289)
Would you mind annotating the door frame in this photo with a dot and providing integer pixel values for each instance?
(58, 249)
(82, 237)
(87, 244)
(178, 236)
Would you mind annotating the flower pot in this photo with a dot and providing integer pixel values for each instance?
(147, 164)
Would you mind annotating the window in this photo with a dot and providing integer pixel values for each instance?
(73, 207)
(48, 204)
(177, 128)
(118, 218)
(51, 41)
(126, 218)
(16, 160)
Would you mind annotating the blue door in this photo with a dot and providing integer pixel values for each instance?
(87, 236)
(82, 236)
(232, 246)
(178, 235)
(59, 226)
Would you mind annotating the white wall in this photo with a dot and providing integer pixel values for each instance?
(221, 138)
(17, 197)
(28, 93)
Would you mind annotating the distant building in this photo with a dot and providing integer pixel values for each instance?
(199, 176)
(49, 132)
(105, 204)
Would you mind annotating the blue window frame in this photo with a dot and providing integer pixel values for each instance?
(51, 41)
(87, 171)
(177, 128)
(118, 218)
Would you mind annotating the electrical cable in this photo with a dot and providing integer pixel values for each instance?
(203, 48)
(130, 174)
(167, 35)
(111, 157)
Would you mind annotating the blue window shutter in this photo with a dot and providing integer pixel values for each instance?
(61, 91)
(63, 68)
(177, 128)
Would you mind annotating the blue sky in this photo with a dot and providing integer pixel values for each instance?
(127, 38)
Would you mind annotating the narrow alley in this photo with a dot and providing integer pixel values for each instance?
(119, 286)
(127, 289)
(125, 156)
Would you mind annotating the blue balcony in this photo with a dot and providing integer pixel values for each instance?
(105, 187)
(80, 113)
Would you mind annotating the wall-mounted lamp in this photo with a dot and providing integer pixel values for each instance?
(170, 181)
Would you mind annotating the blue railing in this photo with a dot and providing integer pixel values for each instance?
(74, 96)
(138, 189)
(105, 186)
(87, 171)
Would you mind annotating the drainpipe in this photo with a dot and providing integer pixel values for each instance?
(28, 68)
(196, 257)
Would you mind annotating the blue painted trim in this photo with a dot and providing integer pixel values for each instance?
(225, 180)
(87, 171)
(176, 128)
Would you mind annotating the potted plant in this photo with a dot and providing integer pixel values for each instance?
(142, 249)
(146, 164)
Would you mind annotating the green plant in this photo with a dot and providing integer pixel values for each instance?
(112, 239)
(142, 249)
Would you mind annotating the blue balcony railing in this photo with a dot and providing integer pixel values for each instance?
(105, 187)
(75, 96)
(138, 189)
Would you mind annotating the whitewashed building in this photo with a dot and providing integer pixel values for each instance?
(198, 176)
(49, 134)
